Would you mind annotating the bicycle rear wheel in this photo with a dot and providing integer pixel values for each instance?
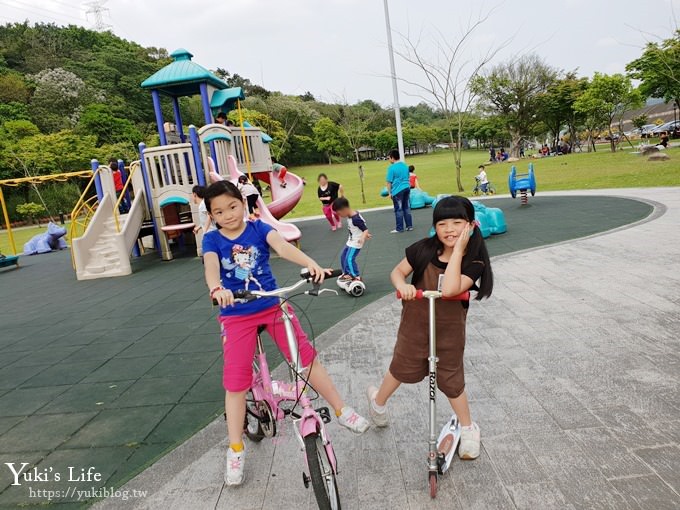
(492, 189)
(321, 472)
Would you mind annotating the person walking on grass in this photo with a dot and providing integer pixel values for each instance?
(399, 190)
(328, 193)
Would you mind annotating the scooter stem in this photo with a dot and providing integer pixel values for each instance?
(432, 359)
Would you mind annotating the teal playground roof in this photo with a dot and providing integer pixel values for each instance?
(225, 100)
(182, 77)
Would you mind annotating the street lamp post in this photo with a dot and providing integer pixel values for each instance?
(395, 90)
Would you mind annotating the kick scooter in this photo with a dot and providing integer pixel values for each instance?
(438, 457)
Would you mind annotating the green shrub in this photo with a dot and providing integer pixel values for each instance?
(30, 210)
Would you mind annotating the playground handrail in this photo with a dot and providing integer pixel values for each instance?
(134, 166)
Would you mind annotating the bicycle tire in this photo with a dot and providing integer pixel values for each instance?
(492, 190)
(321, 473)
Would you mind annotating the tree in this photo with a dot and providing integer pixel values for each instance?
(13, 88)
(607, 98)
(385, 140)
(639, 120)
(449, 79)
(31, 210)
(512, 91)
(59, 98)
(658, 69)
(97, 119)
(556, 106)
(330, 139)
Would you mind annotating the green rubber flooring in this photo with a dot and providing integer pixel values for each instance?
(114, 373)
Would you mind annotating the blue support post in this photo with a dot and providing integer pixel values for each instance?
(124, 177)
(178, 119)
(207, 114)
(149, 200)
(127, 201)
(156, 97)
(196, 150)
(97, 180)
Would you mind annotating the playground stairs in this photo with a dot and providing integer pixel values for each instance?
(104, 249)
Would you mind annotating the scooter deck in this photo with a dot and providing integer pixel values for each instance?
(447, 444)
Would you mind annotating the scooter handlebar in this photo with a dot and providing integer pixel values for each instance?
(420, 294)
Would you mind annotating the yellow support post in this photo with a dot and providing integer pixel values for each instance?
(9, 227)
(243, 138)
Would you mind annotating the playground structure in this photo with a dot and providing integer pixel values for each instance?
(524, 183)
(158, 187)
(491, 219)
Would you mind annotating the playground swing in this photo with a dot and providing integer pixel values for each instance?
(33, 181)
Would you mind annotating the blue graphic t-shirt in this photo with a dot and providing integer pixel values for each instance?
(397, 175)
(244, 264)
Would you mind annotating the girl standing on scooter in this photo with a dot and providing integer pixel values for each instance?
(453, 261)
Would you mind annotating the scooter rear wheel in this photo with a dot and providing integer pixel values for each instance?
(433, 485)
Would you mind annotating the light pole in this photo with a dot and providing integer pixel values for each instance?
(395, 91)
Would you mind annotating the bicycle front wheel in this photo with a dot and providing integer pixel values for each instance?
(322, 475)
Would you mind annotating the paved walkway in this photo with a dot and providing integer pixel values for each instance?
(573, 370)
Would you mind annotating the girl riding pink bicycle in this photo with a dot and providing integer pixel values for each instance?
(236, 257)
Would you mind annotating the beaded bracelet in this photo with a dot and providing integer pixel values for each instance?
(215, 289)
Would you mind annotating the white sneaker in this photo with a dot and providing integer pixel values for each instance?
(233, 472)
(353, 420)
(395, 231)
(379, 418)
(470, 437)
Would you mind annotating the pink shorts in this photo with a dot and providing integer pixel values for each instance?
(240, 332)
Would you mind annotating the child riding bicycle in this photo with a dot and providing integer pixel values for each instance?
(452, 261)
(236, 256)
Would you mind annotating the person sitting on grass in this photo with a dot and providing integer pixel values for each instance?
(358, 235)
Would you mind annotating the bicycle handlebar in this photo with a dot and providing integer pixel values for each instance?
(244, 295)
(420, 294)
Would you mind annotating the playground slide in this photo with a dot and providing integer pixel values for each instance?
(283, 199)
(287, 230)
(102, 251)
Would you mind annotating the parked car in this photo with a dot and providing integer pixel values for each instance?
(668, 127)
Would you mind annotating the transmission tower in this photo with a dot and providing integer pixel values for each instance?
(96, 8)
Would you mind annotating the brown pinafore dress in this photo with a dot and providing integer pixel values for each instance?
(409, 361)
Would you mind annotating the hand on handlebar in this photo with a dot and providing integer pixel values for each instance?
(223, 297)
(407, 292)
(318, 272)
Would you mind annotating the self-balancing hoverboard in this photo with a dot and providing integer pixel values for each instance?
(354, 288)
(440, 448)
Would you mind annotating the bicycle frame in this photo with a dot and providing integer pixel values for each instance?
(274, 392)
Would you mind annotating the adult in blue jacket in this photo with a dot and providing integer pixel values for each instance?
(399, 191)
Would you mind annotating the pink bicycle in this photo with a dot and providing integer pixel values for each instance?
(266, 396)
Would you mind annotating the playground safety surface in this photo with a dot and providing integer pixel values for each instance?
(114, 373)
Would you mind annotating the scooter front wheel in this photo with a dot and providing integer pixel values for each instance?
(433, 485)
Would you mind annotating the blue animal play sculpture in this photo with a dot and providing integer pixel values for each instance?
(417, 199)
(491, 219)
(47, 242)
(522, 183)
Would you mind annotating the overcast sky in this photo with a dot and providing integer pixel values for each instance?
(337, 48)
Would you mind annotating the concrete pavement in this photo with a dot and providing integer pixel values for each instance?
(572, 368)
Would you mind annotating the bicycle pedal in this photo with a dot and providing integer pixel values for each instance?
(325, 414)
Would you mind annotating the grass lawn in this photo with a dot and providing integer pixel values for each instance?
(436, 173)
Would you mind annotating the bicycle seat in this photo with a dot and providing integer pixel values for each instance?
(261, 328)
